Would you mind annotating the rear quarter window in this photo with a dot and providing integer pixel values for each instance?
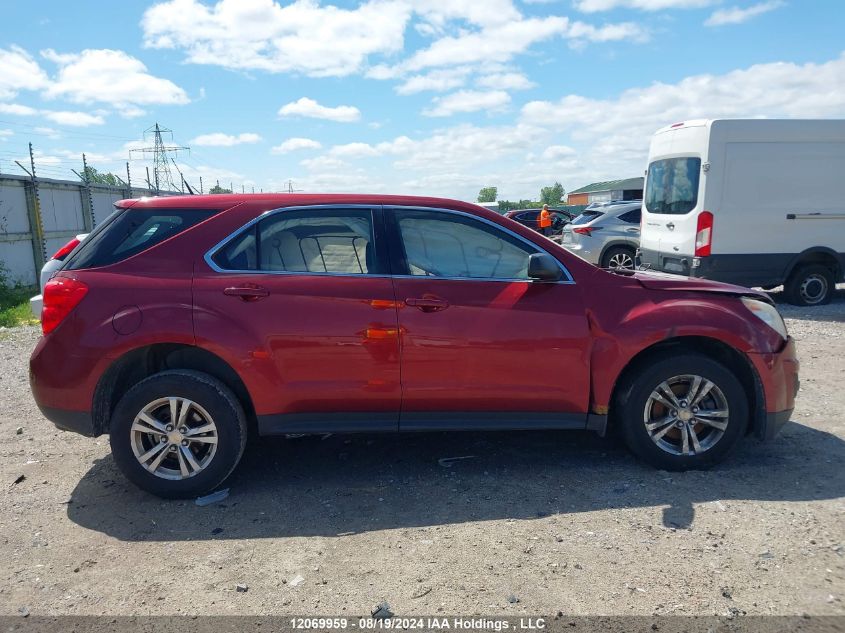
(132, 232)
(587, 216)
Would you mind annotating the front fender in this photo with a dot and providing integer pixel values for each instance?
(622, 335)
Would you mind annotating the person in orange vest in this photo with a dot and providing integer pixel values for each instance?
(545, 221)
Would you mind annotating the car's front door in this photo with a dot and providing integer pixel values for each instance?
(483, 346)
(304, 298)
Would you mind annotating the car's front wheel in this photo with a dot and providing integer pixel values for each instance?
(682, 412)
(178, 433)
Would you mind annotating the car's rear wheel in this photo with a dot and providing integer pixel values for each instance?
(811, 285)
(178, 433)
(619, 257)
(682, 412)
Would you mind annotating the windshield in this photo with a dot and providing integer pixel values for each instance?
(587, 216)
(672, 185)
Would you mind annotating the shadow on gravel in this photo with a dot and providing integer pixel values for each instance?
(351, 484)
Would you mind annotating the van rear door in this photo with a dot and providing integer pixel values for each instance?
(670, 219)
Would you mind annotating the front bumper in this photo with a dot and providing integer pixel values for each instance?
(778, 374)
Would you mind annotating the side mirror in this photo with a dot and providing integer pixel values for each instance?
(543, 267)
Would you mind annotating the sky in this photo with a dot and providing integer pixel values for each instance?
(429, 97)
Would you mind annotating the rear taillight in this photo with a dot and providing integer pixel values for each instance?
(61, 296)
(585, 230)
(65, 250)
(704, 234)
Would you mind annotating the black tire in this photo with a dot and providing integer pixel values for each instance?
(633, 395)
(210, 394)
(619, 252)
(810, 285)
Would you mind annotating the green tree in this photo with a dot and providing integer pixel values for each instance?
(553, 195)
(218, 189)
(488, 194)
(510, 205)
(95, 177)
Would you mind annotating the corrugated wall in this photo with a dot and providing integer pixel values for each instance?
(39, 217)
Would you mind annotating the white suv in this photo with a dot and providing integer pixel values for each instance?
(606, 234)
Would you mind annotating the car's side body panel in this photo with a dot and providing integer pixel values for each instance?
(335, 352)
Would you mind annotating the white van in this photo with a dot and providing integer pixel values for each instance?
(754, 202)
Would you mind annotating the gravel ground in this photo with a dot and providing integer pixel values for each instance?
(558, 521)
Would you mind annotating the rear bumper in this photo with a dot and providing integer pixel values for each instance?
(77, 421)
(35, 304)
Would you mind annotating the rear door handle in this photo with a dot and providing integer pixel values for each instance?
(671, 226)
(632, 230)
(247, 293)
(427, 304)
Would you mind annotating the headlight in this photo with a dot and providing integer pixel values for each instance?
(766, 313)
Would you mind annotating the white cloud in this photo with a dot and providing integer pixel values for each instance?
(62, 117)
(17, 109)
(556, 152)
(219, 139)
(592, 6)
(506, 81)
(6, 133)
(294, 144)
(75, 119)
(468, 101)
(48, 132)
(617, 131)
(738, 15)
(436, 80)
(354, 150)
(575, 140)
(322, 162)
(110, 76)
(309, 108)
(19, 71)
(302, 36)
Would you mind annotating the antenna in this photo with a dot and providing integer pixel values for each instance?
(161, 166)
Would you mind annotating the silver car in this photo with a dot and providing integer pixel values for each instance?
(606, 234)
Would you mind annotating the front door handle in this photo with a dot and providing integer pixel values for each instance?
(247, 293)
(671, 226)
(427, 304)
(632, 230)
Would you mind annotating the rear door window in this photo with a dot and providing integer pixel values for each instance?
(672, 186)
(132, 232)
(336, 241)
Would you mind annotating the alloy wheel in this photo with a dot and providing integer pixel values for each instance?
(621, 260)
(686, 415)
(174, 438)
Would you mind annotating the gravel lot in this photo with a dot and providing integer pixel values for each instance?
(560, 521)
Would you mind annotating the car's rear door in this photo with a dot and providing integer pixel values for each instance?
(302, 299)
(482, 345)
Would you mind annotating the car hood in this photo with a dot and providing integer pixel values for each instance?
(665, 281)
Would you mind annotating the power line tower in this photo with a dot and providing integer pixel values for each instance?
(290, 188)
(161, 161)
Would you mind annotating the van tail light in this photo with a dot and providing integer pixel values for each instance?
(704, 234)
(65, 250)
(61, 296)
(585, 230)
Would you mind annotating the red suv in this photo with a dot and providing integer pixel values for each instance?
(181, 324)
